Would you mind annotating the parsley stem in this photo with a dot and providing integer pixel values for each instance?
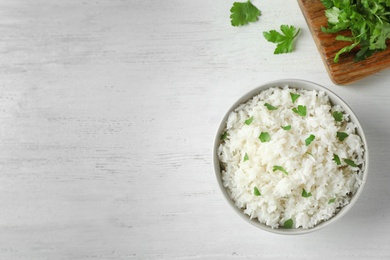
(299, 29)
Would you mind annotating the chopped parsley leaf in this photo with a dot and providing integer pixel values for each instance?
(294, 97)
(336, 158)
(338, 116)
(249, 121)
(264, 137)
(350, 162)
(256, 191)
(279, 168)
(288, 223)
(246, 157)
(305, 194)
(270, 107)
(224, 135)
(309, 140)
(287, 127)
(301, 110)
(341, 136)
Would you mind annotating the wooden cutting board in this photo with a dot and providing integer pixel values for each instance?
(346, 70)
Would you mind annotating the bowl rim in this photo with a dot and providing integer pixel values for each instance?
(334, 99)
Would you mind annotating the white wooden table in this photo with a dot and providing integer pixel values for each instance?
(108, 111)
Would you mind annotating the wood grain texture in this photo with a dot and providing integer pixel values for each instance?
(346, 70)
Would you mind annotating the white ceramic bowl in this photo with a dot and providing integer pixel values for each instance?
(299, 84)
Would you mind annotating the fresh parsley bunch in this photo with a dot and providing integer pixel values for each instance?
(367, 20)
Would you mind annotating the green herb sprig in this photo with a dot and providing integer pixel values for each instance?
(283, 40)
(243, 13)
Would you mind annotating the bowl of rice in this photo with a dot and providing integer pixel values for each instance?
(290, 157)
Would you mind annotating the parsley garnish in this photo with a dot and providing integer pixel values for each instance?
(336, 158)
(287, 127)
(350, 162)
(338, 116)
(288, 223)
(224, 135)
(284, 41)
(331, 200)
(264, 137)
(341, 136)
(243, 13)
(249, 120)
(301, 110)
(270, 107)
(309, 139)
(256, 191)
(246, 157)
(305, 194)
(294, 97)
(279, 168)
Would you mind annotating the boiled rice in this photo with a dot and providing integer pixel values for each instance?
(310, 167)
